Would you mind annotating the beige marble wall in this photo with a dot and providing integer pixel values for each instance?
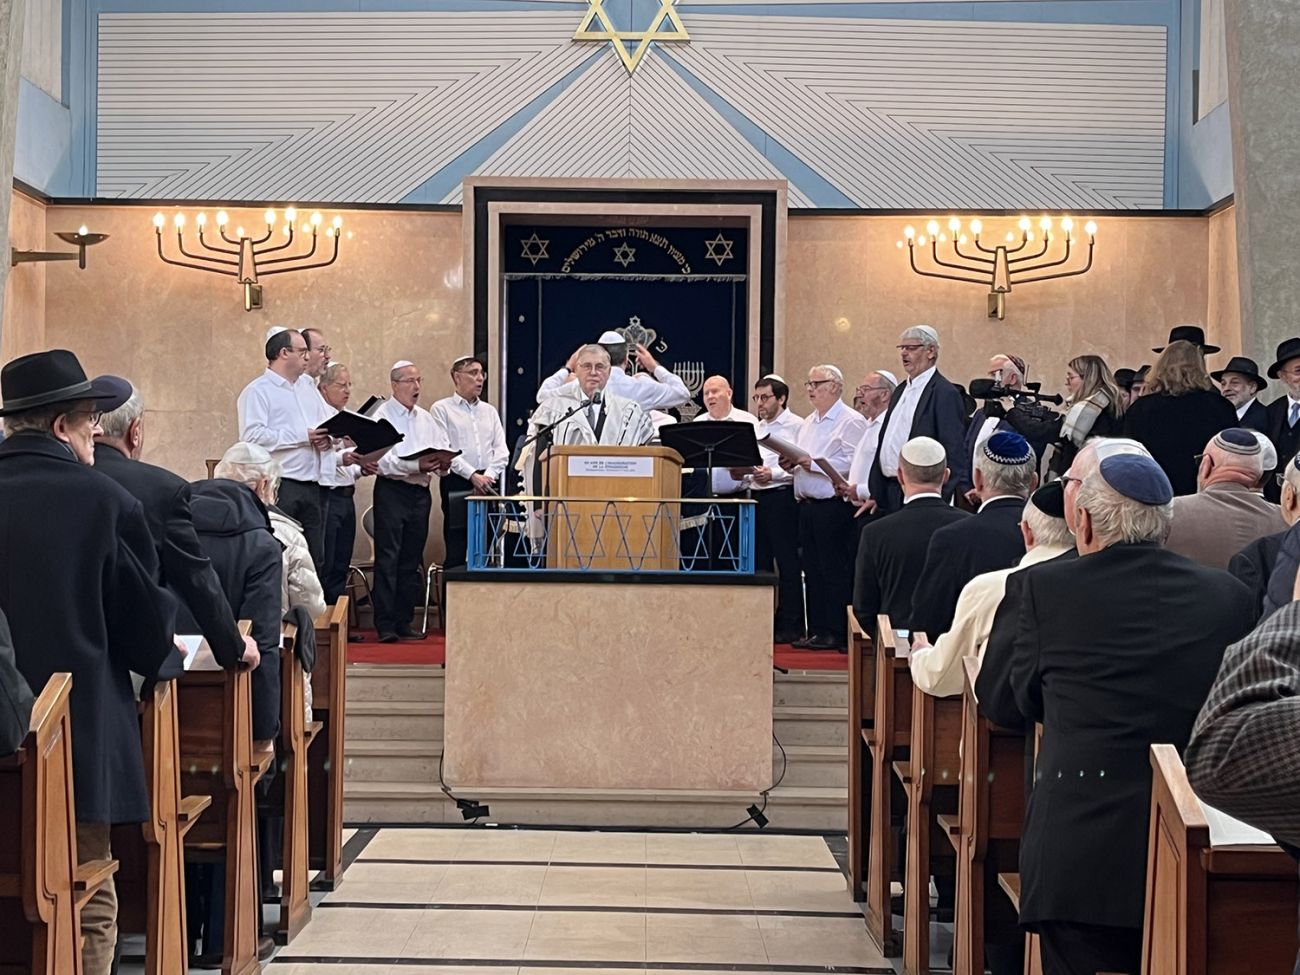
(23, 328)
(1223, 298)
(583, 686)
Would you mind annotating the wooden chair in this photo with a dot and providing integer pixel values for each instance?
(215, 710)
(1222, 907)
(888, 747)
(991, 815)
(42, 889)
(358, 581)
(933, 774)
(862, 706)
(325, 759)
(151, 880)
(289, 790)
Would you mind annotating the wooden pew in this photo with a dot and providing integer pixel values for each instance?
(1010, 884)
(991, 815)
(1222, 908)
(888, 748)
(151, 881)
(862, 705)
(42, 889)
(215, 709)
(289, 791)
(933, 774)
(325, 760)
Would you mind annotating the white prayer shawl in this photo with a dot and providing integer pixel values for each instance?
(626, 424)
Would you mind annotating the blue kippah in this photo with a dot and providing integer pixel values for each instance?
(1005, 447)
(1239, 440)
(1137, 477)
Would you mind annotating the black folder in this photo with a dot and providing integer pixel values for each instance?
(369, 435)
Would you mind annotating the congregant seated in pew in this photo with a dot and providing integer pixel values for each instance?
(15, 696)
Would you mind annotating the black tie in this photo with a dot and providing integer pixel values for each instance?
(600, 422)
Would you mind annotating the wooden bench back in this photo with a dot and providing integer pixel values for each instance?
(326, 760)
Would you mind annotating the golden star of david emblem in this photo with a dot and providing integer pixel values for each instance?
(596, 26)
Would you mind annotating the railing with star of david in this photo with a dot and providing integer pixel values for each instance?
(696, 536)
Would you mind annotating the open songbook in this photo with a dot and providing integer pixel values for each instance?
(373, 438)
(796, 454)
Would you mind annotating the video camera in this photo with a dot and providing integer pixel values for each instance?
(988, 389)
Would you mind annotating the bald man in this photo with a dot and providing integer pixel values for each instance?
(1227, 512)
(719, 404)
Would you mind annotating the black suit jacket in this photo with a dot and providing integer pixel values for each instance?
(77, 571)
(957, 554)
(891, 553)
(185, 570)
(941, 414)
(1285, 438)
(15, 696)
(1114, 652)
(1255, 417)
(1253, 565)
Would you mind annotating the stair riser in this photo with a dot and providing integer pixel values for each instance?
(407, 727)
(805, 731)
(797, 694)
(377, 688)
(815, 775)
(392, 768)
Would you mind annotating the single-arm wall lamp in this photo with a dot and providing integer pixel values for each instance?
(82, 239)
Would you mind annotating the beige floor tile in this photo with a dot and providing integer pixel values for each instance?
(348, 834)
(718, 889)
(388, 883)
(443, 970)
(692, 848)
(521, 845)
(818, 941)
(704, 938)
(469, 883)
(579, 936)
(784, 851)
(469, 934)
(781, 890)
(357, 932)
(594, 887)
(293, 968)
(423, 844)
(599, 848)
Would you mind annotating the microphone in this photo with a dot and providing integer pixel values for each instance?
(596, 398)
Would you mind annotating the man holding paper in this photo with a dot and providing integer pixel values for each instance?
(826, 443)
(403, 503)
(339, 471)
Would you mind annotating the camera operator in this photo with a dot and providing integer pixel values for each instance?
(1008, 405)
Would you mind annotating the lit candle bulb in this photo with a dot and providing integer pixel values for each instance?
(1090, 228)
(1067, 225)
(291, 215)
(239, 232)
(909, 232)
(83, 230)
(1024, 223)
(976, 226)
(201, 220)
(159, 220)
(932, 228)
(1045, 223)
(315, 219)
(179, 220)
(222, 218)
(954, 225)
(338, 222)
(270, 218)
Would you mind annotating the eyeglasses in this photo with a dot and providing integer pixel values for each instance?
(414, 380)
(302, 352)
(94, 415)
(762, 397)
(1067, 480)
(323, 349)
(911, 347)
(869, 389)
(814, 383)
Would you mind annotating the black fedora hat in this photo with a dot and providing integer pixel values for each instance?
(1243, 367)
(1190, 333)
(45, 379)
(1288, 350)
(1124, 378)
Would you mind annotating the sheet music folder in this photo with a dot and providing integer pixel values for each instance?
(369, 435)
(713, 443)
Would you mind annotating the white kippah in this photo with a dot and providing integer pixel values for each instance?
(1266, 447)
(930, 332)
(273, 331)
(610, 338)
(772, 375)
(886, 374)
(1113, 446)
(923, 452)
(400, 364)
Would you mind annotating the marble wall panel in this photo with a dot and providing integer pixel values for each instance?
(23, 329)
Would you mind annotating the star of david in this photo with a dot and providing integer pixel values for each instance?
(597, 26)
(535, 249)
(625, 254)
(718, 249)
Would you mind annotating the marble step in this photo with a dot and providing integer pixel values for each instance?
(789, 807)
(394, 682)
(406, 720)
(811, 688)
(813, 766)
(810, 726)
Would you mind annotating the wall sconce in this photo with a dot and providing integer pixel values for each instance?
(248, 258)
(82, 239)
(1001, 268)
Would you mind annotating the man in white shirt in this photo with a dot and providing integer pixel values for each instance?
(831, 432)
(874, 393)
(469, 424)
(718, 405)
(339, 470)
(284, 417)
(937, 669)
(665, 391)
(402, 504)
(776, 528)
(318, 354)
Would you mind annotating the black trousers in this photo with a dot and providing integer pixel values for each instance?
(340, 534)
(453, 490)
(401, 529)
(891, 499)
(776, 539)
(303, 501)
(828, 540)
(1086, 949)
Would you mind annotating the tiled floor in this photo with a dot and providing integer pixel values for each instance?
(485, 902)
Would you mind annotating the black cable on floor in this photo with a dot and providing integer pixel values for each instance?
(756, 812)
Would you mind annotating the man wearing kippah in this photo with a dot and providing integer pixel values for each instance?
(1005, 474)
(1227, 512)
(651, 386)
(1115, 651)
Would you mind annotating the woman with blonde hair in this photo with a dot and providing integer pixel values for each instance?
(1094, 408)
(1179, 413)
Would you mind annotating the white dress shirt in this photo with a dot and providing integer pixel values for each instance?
(474, 429)
(276, 414)
(900, 424)
(865, 456)
(786, 426)
(420, 432)
(663, 392)
(832, 437)
(723, 482)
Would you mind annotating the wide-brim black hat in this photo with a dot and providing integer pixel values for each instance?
(1243, 367)
(1124, 378)
(1288, 350)
(1190, 333)
(46, 379)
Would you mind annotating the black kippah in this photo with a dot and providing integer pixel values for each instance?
(1050, 499)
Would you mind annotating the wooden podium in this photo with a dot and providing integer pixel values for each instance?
(604, 530)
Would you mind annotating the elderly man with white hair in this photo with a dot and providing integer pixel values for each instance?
(925, 405)
(1227, 512)
(830, 433)
(1114, 652)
